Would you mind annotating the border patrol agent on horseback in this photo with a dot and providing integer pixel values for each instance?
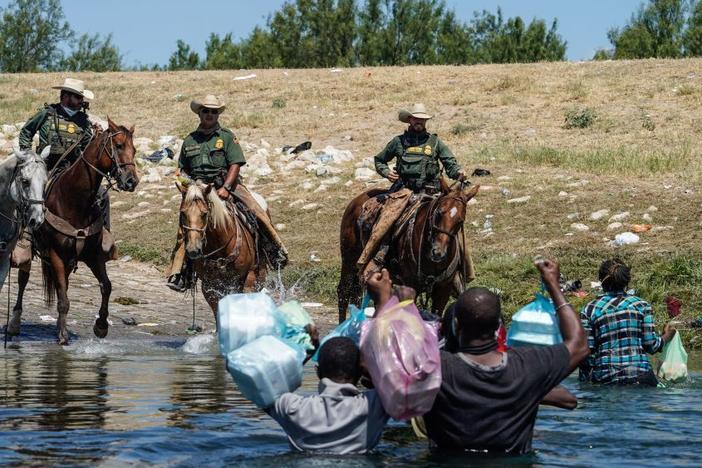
(66, 127)
(419, 156)
(212, 154)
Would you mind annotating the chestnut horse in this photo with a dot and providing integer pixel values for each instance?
(426, 256)
(223, 248)
(71, 201)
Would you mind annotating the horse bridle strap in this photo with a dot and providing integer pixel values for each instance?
(68, 230)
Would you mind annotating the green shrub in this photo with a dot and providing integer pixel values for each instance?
(580, 118)
(278, 103)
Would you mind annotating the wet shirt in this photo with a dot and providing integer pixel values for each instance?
(58, 129)
(415, 149)
(340, 419)
(204, 157)
(620, 331)
(493, 409)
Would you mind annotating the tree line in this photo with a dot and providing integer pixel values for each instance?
(35, 36)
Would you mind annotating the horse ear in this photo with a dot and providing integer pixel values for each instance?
(473, 191)
(180, 187)
(131, 130)
(207, 189)
(19, 154)
(110, 123)
(45, 152)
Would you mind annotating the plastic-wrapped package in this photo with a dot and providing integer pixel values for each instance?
(350, 328)
(266, 368)
(535, 324)
(296, 319)
(401, 353)
(674, 361)
(241, 318)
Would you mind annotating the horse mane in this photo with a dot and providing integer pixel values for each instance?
(219, 214)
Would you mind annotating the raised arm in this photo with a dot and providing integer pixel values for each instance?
(574, 336)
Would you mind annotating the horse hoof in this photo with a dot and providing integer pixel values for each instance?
(63, 341)
(99, 331)
(13, 328)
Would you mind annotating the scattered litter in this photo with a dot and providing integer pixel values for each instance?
(478, 172)
(148, 324)
(625, 238)
(673, 305)
(315, 258)
(595, 285)
(562, 194)
(487, 225)
(335, 70)
(520, 199)
(125, 258)
(304, 146)
(580, 294)
(647, 217)
(652, 208)
(573, 216)
(311, 304)
(503, 178)
(310, 206)
(246, 77)
(580, 227)
(637, 228)
(131, 321)
(280, 227)
(157, 156)
(47, 318)
(614, 226)
(661, 228)
(505, 192)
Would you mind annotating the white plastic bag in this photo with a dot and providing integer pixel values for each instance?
(241, 318)
(674, 361)
(266, 368)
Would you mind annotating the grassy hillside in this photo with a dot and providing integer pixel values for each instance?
(575, 137)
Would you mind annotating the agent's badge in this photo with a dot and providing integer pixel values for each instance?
(71, 128)
(427, 150)
(219, 144)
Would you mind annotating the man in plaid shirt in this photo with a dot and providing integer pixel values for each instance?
(620, 332)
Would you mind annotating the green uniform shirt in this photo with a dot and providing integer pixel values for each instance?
(203, 157)
(58, 129)
(418, 157)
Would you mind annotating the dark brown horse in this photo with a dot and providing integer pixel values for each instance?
(222, 247)
(426, 256)
(72, 230)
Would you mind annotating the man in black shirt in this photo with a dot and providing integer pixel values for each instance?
(489, 400)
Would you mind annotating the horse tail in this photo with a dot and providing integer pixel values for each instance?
(48, 284)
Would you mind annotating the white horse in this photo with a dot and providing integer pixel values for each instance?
(22, 180)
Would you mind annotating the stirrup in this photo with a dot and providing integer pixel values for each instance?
(177, 283)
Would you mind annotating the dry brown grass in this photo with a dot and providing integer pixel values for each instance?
(643, 149)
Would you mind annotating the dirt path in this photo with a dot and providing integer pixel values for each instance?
(138, 292)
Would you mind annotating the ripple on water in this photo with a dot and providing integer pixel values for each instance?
(171, 402)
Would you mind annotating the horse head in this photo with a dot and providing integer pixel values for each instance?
(447, 219)
(117, 154)
(27, 189)
(200, 209)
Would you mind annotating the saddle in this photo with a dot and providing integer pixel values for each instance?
(370, 212)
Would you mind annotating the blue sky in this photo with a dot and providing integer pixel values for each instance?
(146, 30)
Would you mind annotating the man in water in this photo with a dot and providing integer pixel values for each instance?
(488, 400)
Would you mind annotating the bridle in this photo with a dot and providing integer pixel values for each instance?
(116, 168)
(23, 202)
(438, 214)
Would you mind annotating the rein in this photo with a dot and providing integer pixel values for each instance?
(116, 168)
(209, 256)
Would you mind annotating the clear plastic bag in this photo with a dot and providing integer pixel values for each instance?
(296, 319)
(673, 366)
(401, 353)
(241, 318)
(535, 324)
(350, 328)
(266, 368)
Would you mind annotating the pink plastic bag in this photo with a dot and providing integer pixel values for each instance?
(401, 352)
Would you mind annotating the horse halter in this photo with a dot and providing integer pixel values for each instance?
(25, 202)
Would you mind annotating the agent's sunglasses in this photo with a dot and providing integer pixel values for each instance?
(209, 111)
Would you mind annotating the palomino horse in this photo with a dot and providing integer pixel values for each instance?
(427, 255)
(22, 181)
(71, 201)
(222, 247)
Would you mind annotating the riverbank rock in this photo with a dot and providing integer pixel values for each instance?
(364, 173)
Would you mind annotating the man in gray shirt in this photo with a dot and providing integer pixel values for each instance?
(341, 419)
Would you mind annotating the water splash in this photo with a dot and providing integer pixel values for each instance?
(200, 344)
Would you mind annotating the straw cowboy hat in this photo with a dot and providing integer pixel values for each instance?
(210, 102)
(418, 111)
(75, 86)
